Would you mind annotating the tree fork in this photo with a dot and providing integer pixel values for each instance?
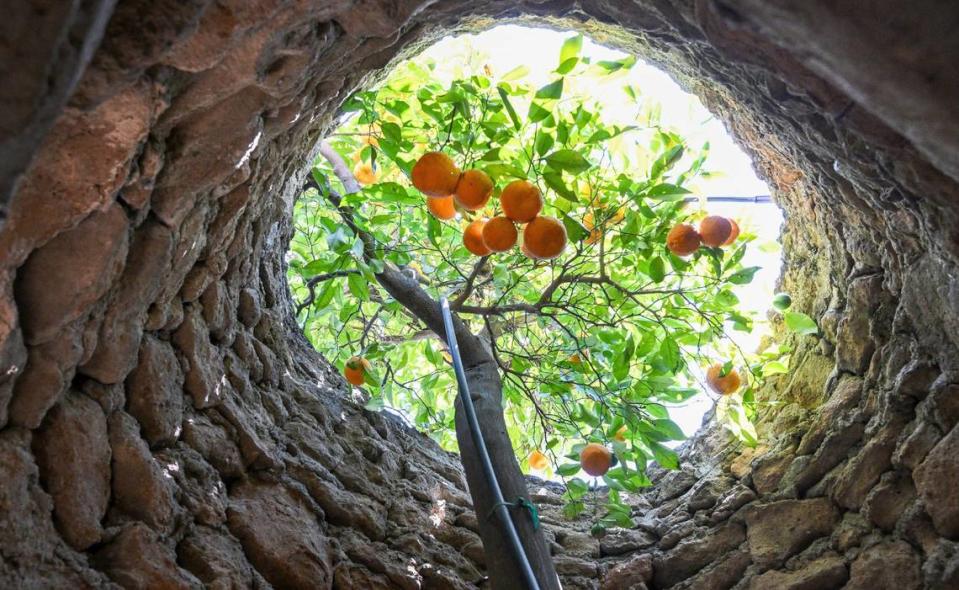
(487, 394)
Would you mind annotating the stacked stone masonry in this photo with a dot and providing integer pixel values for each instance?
(163, 423)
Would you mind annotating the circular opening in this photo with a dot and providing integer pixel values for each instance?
(621, 154)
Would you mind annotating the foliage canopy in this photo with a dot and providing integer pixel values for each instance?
(592, 346)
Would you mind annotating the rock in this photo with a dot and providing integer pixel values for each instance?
(50, 369)
(693, 554)
(674, 484)
(854, 344)
(73, 453)
(892, 565)
(769, 469)
(569, 565)
(280, 536)
(201, 491)
(863, 471)
(61, 281)
(154, 392)
(249, 308)
(214, 443)
(944, 402)
(140, 485)
(205, 378)
(915, 443)
(935, 481)
(826, 573)
(941, 568)
(215, 559)
(721, 575)
(734, 499)
(218, 311)
(580, 544)
(707, 491)
(343, 508)
(624, 541)
(889, 499)
(630, 575)
(137, 558)
(122, 327)
(779, 530)
(845, 396)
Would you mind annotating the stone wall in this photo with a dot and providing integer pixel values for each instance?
(163, 424)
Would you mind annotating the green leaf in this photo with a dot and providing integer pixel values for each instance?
(657, 269)
(358, 286)
(669, 428)
(567, 66)
(574, 229)
(568, 469)
(552, 91)
(665, 456)
(544, 141)
(666, 161)
(509, 107)
(571, 48)
(537, 113)
(568, 160)
(800, 323)
(774, 368)
(554, 180)
(667, 192)
(516, 73)
(743, 276)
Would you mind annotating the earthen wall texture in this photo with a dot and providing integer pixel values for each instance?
(164, 424)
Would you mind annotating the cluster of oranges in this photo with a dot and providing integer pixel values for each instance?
(446, 187)
(714, 231)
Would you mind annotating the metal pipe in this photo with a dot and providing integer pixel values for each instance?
(755, 199)
(477, 435)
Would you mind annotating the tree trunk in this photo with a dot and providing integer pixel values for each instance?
(486, 391)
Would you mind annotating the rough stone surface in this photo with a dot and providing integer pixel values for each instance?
(73, 453)
(154, 151)
(281, 536)
(933, 480)
(892, 565)
(779, 530)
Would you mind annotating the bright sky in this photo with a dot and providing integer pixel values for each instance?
(507, 47)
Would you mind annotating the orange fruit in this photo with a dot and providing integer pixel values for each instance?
(473, 190)
(683, 240)
(732, 234)
(575, 358)
(715, 230)
(435, 175)
(355, 370)
(365, 174)
(526, 252)
(723, 385)
(620, 434)
(595, 233)
(544, 237)
(473, 238)
(595, 459)
(499, 234)
(441, 207)
(538, 461)
(521, 201)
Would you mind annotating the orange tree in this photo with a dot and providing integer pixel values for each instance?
(582, 351)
